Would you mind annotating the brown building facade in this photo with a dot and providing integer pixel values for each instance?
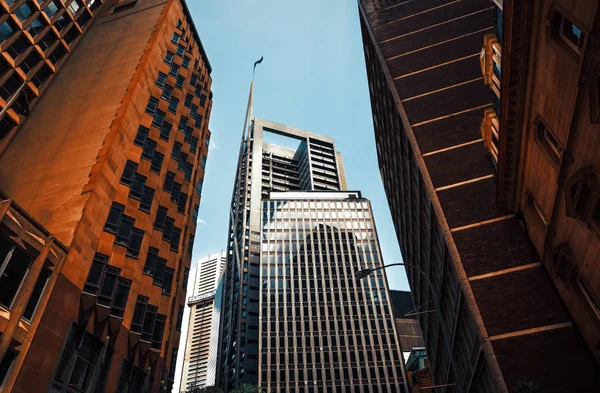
(110, 162)
(36, 38)
(549, 143)
(501, 323)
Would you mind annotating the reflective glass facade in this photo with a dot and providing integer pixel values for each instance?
(321, 329)
(294, 317)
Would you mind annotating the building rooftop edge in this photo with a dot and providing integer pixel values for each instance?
(188, 14)
(310, 134)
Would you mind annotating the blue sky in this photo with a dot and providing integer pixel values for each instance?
(313, 77)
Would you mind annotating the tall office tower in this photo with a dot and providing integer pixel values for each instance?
(547, 128)
(110, 164)
(295, 319)
(201, 324)
(499, 323)
(36, 39)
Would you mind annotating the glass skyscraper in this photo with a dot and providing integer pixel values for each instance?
(295, 318)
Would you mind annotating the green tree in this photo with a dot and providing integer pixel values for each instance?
(245, 388)
(207, 389)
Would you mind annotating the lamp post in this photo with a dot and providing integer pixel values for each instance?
(360, 274)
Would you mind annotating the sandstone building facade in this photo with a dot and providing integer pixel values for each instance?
(478, 258)
(108, 167)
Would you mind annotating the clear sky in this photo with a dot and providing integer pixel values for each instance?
(313, 77)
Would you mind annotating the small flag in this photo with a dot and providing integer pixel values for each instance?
(255, 63)
(258, 62)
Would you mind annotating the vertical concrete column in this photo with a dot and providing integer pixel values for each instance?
(16, 311)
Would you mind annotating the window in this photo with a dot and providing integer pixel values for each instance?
(168, 228)
(175, 38)
(174, 70)
(180, 81)
(77, 367)
(173, 103)
(188, 134)
(161, 215)
(203, 162)
(180, 50)
(176, 150)
(199, 187)
(167, 281)
(169, 180)
(198, 122)
(179, 318)
(35, 27)
(31, 60)
(166, 93)
(36, 294)
(61, 23)
(195, 214)
(185, 62)
(158, 119)
(122, 226)
(161, 79)
(124, 6)
(188, 101)
(165, 131)
(193, 145)
(57, 54)
(548, 141)
(156, 163)
(577, 195)
(18, 47)
(129, 172)
(187, 175)
(6, 363)
(169, 57)
(132, 379)
(6, 30)
(48, 40)
(184, 281)
(175, 236)
(566, 34)
(173, 365)
(104, 281)
(156, 267)
(26, 9)
(202, 100)
(175, 192)
(182, 123)
(74, 6)
(147, 198)
(207, 141)
(182, 162)
(182, 202)
(190, 247)
(193, 80)
(148, 322)
(15, 264)
(152, 106)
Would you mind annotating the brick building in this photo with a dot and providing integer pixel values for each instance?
(480, 259)
(107, 169)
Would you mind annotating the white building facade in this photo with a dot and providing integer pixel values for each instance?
(196, 366)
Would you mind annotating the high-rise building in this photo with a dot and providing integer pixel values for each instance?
(36, 39)
(405, 318)
(544, 125)
(501, 324)
(295, 319)
(198, 367)
(106, 172)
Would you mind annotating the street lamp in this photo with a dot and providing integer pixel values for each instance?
(360, 274)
